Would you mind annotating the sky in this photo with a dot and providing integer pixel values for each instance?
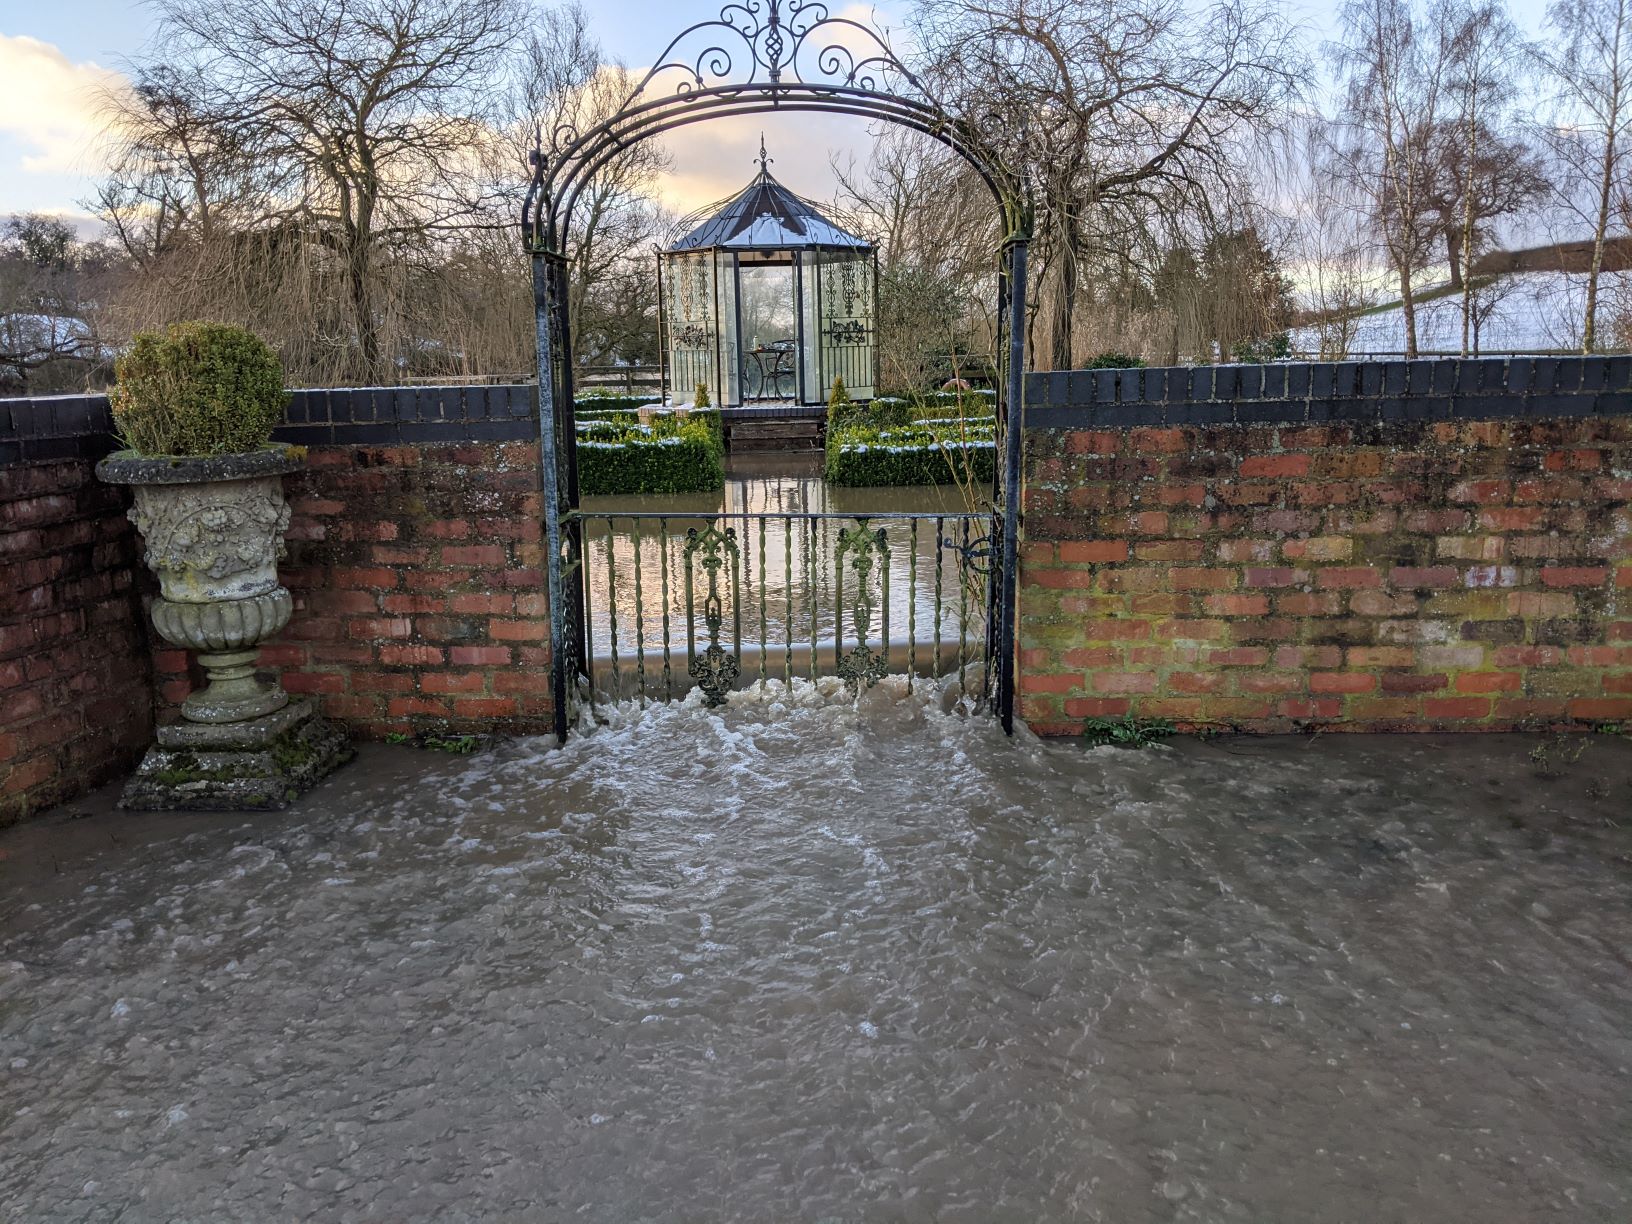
(56, 56)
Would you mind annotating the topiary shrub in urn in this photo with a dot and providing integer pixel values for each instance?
(195, 406)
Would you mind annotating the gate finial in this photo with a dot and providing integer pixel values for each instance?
(763, 160)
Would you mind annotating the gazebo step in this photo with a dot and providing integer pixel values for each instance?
(771, 433)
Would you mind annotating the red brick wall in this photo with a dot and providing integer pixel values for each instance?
(1374, 576)
(75, 681)
(419, 591)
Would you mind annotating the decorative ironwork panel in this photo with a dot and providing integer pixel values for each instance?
(845, 323)
(715, 669)
(863, 549)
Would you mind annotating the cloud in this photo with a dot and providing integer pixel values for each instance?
(50, 106)
(716, 158)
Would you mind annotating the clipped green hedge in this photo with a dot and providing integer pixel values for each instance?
(910, 455)
(595, 412)
(906, 439)
(619, 456)
(594, 401)
(668, 465)
(924, 465)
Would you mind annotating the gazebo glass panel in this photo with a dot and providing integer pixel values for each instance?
(815, 390)
(689, 285)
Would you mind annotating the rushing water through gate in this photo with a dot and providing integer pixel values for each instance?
(807, 959)
(796, 597)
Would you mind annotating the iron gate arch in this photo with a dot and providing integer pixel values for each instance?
(791, 66)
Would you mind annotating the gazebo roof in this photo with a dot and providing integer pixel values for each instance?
(765, 216)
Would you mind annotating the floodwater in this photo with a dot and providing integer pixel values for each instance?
(808, 960)
(786, 591)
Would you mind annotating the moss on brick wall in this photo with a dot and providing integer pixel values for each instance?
(1403, 576)
(418, 580)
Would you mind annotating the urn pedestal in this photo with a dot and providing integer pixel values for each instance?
(213, 532)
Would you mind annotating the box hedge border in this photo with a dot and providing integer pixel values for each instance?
(682, 454)
(858, 459)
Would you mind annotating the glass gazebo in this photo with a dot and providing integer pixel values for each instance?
(767, 301)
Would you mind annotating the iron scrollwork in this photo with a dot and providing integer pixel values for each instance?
(773, 39)
(847, 331)
(866, 547)
(975, 554)
(847, 285)
(716, 669)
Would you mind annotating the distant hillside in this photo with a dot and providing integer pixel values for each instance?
(1556, 257)
(1537, 310)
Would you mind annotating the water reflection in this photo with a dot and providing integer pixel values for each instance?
(786, 605)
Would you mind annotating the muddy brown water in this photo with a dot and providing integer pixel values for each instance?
(804, 960)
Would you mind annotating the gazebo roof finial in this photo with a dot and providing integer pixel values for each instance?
(763, 159)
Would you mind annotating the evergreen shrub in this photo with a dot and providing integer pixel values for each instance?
(197, 389)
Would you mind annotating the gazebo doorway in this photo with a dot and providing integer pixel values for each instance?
(766, 300)
(768, 305)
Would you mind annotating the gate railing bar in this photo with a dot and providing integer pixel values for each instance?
(640, 621)
(963, 625)
(764, 627)
(663, 563)
(912, 605)
(787, 585)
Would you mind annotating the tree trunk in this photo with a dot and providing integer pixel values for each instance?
(1465, 239)
(1606, 183)
(1453, 249)
(1065, 316)
(360, 283)
(362, 305)
(1408, 310)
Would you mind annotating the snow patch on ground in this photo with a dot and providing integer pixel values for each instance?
(1536, 310)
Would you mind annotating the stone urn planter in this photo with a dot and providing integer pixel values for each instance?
(213, 533)
(212, 527)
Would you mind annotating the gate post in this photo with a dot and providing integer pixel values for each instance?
(564, 648)
(1013, 423)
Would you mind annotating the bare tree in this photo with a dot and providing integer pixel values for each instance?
(1393, 111)
(1129, 115)
(1587, 123)
(566, 86)
(935, 230)
(183, 167)
(1330, 240)
(345, 176)
(1486, 172)
(370, 107)
(1481, 301)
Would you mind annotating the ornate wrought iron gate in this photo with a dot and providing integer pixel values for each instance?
(796, 56)
(722, 601)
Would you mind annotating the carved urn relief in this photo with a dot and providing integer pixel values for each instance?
(213, 529)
